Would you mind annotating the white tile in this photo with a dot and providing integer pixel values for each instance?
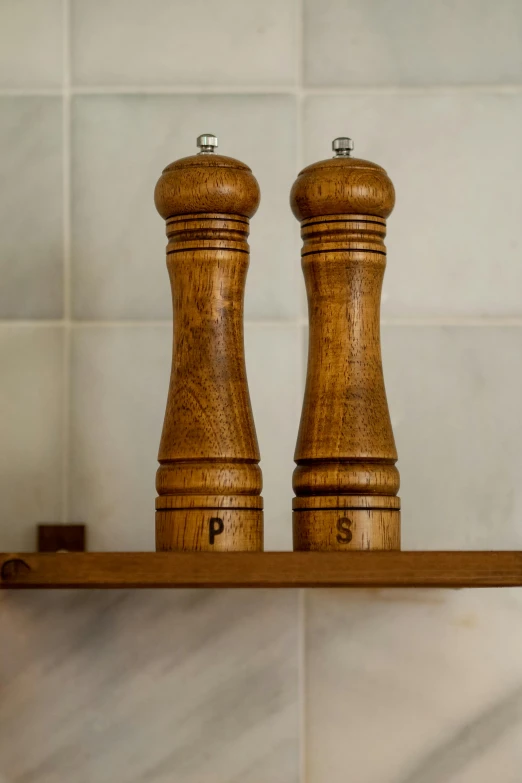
(454, 397)
(31, 207)
(119, 391)
(30, 43)
(151, 685)
(31, 404)
(163, 42)
(414, 686)
(372, 42)
(119, 384)
(454, 245)
(275, 379)
(120, 146)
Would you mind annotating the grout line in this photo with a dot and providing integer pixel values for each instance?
(33, 324)
(425, 89)
(300, 155)
(66, 130)
(465, 321)
(301, 663)
(28, 92)
(291, 323)
(79, 324)
(301, 321)
(66, 249)
(300, 44)
(255, 89)
(188, 89)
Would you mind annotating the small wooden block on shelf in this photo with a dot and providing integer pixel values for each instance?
(53, 537)
(261, 569)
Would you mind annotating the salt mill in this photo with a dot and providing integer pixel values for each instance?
(345, 482)
(209, 480)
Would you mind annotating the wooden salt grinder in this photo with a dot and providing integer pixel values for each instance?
(345, 481)
(209, 480)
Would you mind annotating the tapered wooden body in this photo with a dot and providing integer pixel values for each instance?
(345, 481)
(209, 480)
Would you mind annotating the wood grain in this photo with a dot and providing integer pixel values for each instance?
(324, 530)
(345, 445)
(258, 569)
(208, 448)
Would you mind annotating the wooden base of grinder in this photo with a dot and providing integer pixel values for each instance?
(195, 523)
(346, 523)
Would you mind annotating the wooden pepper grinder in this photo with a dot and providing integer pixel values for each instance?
(345, 481)
(209, 480)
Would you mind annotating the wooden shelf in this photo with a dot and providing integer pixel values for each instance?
(262, 569)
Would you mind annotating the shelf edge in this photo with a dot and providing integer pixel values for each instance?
(116, 570)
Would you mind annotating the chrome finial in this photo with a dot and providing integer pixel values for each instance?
(207, 143)
(342, 146)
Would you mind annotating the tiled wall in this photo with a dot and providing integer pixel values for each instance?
(96, 96)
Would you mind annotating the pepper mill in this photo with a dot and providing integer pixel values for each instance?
(209, 480)
(345, 481)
